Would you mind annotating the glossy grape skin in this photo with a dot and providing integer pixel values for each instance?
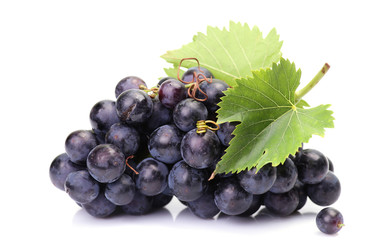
(81, 187)
(171, 92)
(60, 167)
(141, 204)
(282, 204)
(163, 80)
(286, 177)
(329, 220)
(78, 145)
(106, 163)
(121, 191)
(125, 137)
(127, 83)
(258, 182)
(152, 177)
(325, 192)
(134, 106)
(231, 198)
(254, 206)
(100, 207)
(188, 75)
(225, 132)
(164, 144)
(187, 112)
(103, 115)
(214, 91)
(187, 183)
(160, 116)
(200, 150)
(312, 166)
(205, 206)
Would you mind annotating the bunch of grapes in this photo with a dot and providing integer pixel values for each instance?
(146, 147)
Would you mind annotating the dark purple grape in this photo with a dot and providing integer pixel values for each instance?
(325, 192)
(254, 206)
(141, 204)
(120, 192)
(187, 112)
(152, 177)
(134, 106)
(282, 204)
(225, 132)
(329, 220)
(258, 182)
(303, 196)
(200, 150)
(164, 144)
(103, 115)
(205, 206)
(125, 137)
(60, 167)
(331, 166)
(81, 187)
(187, 183)
(78, 145)
(100, 207)
(188, 75)
(312, 166)
(231, 198)
(163, 80)
(171, 92)
(286, 177)
(214, 91)
(160, 116)
(130, 82)
(106, 163)
(162, 199)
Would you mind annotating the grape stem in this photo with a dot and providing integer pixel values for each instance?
(302, 92)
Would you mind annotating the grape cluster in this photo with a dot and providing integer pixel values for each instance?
(144, 148)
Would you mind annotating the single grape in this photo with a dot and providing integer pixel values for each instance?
(162, 199)
(125, 137)
(106, 163)
(200, 150)
(205, 206)
(312, 166)
(134, 106)
(100, 207)
(188, 75)
(164, 144)
(286, 177)
(258, 182)
(160, 116)
(141, 204)
(130, 82)
(303, 196)
(187, 183)
(231, 198)
(81, 187)
(171, 92)
(325, 192)
(102, 116)
(282, 204)
(329, 220)
(163, 80)
(78, 145)
(120, 192)
(187, 112)
(152, 177)
(60, 167)
(214, 91)
(225, 132)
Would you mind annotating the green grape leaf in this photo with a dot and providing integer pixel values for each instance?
(229, 54)
(272, 124)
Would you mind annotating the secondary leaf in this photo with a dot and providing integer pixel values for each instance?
(272, 124)
(229, 54)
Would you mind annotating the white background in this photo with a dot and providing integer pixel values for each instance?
(58, 58)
